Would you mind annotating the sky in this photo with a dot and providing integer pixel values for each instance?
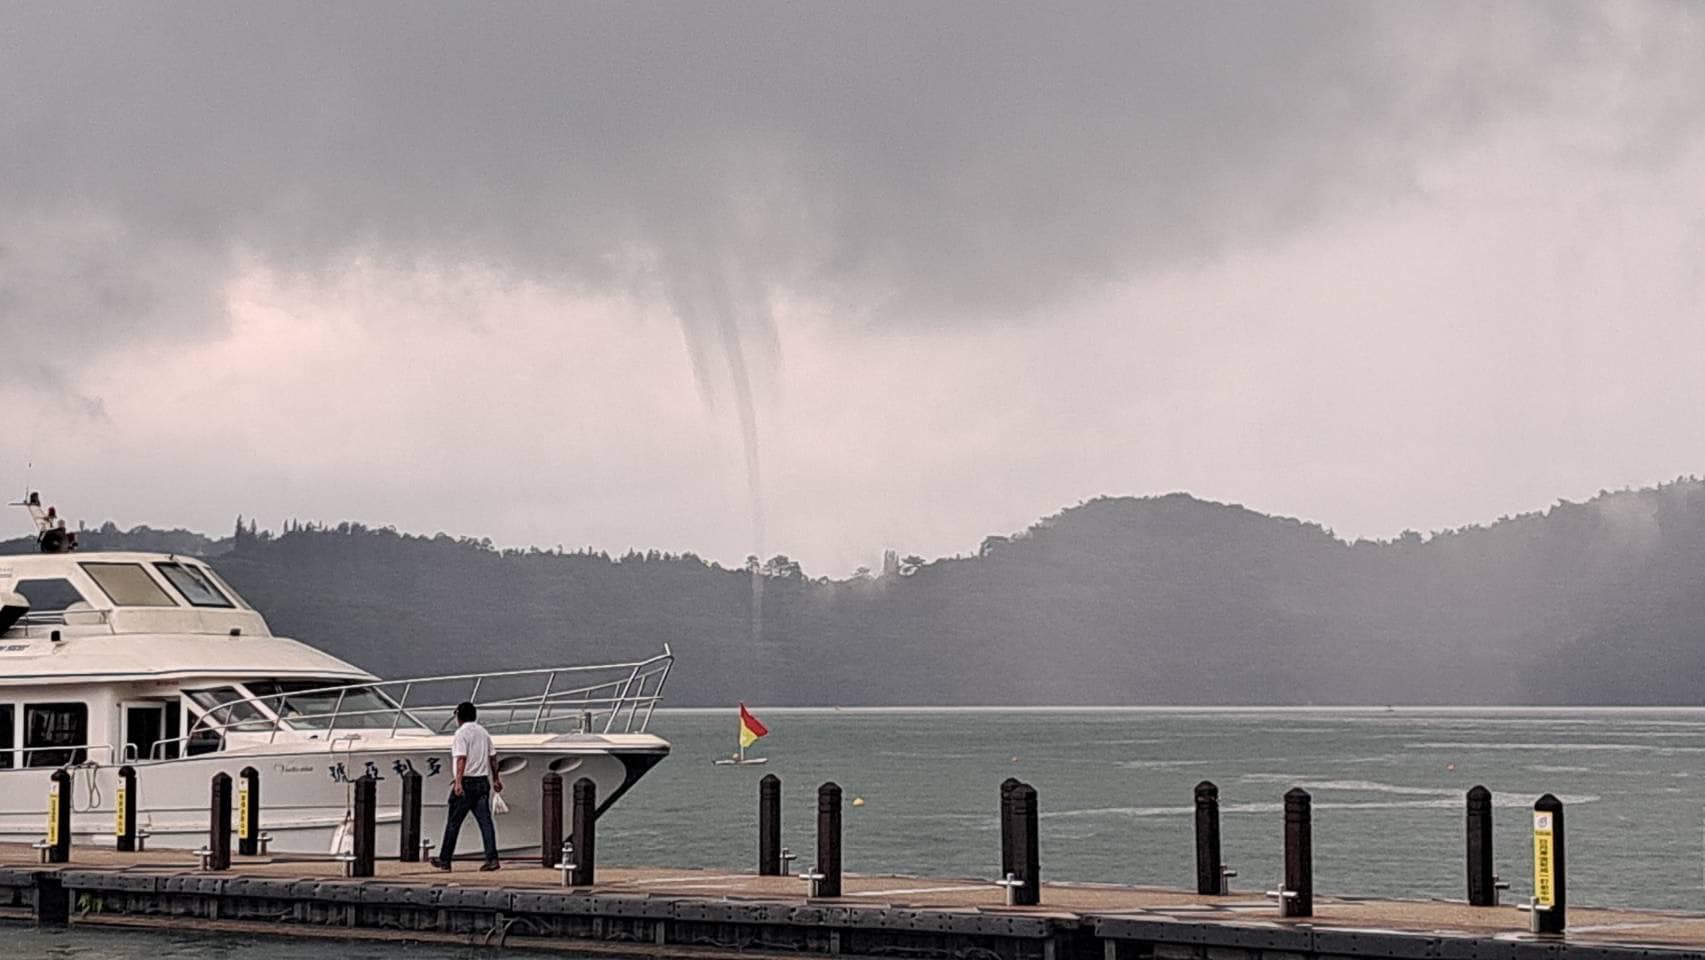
(824, 279)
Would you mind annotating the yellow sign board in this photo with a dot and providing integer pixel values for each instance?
(53, 815)
(243, 811)
(118, 807)
(1544, 862)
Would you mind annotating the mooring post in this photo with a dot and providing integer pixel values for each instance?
(219, 823)
(408, 829)
(1550, 887)
(124, 810)
(59, 817)
(1210, 870)
(828, 869)
(585, 833)
(1296, 898)
(550, 819)
(1026, 854)
(769, 826)
(1482, 883)
(366, 816)
(248, 812)
(1008, 868)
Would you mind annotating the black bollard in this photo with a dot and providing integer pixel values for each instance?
(366, 814)
(219, 823)
(408, 830)
(1210, 869)
(124, 808)
(769, 826)
(828, 840)
(550, 820)
(1550, 888)
(59, 817)
(1008, 865)
(585, 833)
(1297, 897)
(1026, 855)
(248, 812)
(1482, 885)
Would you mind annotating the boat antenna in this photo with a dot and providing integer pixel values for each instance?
(51, 535)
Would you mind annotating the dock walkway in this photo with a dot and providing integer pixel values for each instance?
(685, 912)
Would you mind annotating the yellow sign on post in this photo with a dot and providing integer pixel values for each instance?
(243, 811)
(118, 808)
(53, 815)
(1544, 862)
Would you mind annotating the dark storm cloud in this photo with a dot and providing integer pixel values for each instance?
(908, 162)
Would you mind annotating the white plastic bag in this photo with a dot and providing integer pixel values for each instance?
(497, 804)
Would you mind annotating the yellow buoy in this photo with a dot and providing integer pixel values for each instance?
(858, 801)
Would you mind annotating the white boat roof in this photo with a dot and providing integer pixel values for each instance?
(158, 633)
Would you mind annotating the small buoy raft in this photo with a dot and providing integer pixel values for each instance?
(751, 729)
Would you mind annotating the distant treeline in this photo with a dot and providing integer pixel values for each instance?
(1116, 601)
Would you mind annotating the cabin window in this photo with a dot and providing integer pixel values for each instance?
(194, 584)
(49, 596)
(55, 734)
(7, 735)
(128, 585)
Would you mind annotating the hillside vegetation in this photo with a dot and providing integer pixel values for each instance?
(1116, 601)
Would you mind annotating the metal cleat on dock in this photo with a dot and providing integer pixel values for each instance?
(787, 858)
(1226, 873)
(1012, 885)
(1535, 913)
(566, 864)
(815, 878)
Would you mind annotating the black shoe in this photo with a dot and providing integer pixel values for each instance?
(438, 864)
(490, 865)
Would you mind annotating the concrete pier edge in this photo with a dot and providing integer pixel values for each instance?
(652, 924)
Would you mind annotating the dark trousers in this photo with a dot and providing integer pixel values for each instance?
(475, 799)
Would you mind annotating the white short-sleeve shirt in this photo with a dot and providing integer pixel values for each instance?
(473, 742)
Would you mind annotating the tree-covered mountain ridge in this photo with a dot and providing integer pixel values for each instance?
(1118, 600)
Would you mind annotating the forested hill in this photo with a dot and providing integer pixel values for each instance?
(1116, 601)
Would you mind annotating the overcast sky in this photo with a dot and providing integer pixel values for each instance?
(544, 272)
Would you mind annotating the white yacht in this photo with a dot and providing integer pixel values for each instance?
(151, 660)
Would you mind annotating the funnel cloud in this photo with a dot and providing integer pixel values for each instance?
(936, 269)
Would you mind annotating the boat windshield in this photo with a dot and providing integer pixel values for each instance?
(194, 584)
(225, 705)
(317, 704)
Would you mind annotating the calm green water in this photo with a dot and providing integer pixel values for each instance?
(1115, 789)
(1116, 793)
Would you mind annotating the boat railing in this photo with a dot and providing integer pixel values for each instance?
(598, 698)
(70, 752)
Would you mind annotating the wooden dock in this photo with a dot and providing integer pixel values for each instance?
(659, 911)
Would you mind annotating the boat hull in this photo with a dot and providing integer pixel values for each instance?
(306, 791)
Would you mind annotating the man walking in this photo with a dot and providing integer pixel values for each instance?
(471, 790)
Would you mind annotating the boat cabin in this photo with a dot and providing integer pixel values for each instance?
(140, 658)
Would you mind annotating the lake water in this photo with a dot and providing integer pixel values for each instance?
(1115, 790)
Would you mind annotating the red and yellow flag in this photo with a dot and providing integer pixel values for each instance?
(750, 728)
